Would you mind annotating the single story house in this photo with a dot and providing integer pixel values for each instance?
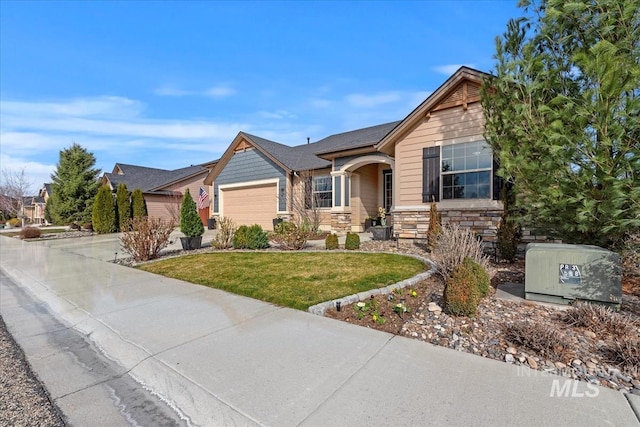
(438, 152)
(162, 189)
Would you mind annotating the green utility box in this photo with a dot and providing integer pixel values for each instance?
(561, 273)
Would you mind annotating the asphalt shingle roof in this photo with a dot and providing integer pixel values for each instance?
(304, 157)
(149, 179)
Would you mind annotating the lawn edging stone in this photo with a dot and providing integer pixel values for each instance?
(320, 309)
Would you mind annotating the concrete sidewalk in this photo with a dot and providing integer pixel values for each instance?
(219, 359)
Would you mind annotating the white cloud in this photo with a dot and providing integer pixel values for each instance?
(450, 68)
(170, 91)
(36, 173)
(278, 114)
(219, 92)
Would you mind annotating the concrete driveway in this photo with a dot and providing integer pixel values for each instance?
(207, 357)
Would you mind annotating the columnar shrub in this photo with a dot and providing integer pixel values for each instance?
(461, 293)
(124, 206)
(352, 241)
(30, 233)
(454, 244)
(104, 212)
(224, 236)
(190, 222)
(331, 242)
(138, 204)
(250, 237)
(145, 237)
(290, 236)
(509, 233)
(435, 226)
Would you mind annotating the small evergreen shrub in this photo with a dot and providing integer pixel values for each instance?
(509, 233)
(331, 242)
(482, 277)
(190, 222)
(290, 236)
(30, 233)
(352, 241)
(435, 226)
(123, 204)
(224, 237)
(250, 237)
(461, 292)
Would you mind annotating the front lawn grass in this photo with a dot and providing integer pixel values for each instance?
(291, 279)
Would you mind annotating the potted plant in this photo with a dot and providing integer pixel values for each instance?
(190, 223)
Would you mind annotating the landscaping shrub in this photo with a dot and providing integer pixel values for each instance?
(190, 222)
(290, 236)
(30, 233)
(599, 318)
(103, 214)
(87, 226)
(224, 237)
(138, 204)
(461, 293)
(75, 227)
(454, 244)
(509, 233)
(331, 242)
(541, 338)
(631, 253)
(145, 237)
(123, 204)
(624, 351)
(435, 226)
(250, 237)
(352, 242)
(483, 280)
(15, 222)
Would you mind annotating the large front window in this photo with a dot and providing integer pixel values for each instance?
(322, 191)
(466, 171)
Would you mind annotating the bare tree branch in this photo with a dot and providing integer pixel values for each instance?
(14, 186)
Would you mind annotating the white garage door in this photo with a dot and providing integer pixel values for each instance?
(251, 205)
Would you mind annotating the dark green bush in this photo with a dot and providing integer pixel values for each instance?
(103, 214)
(30, 233)
(461, 293)
(138, 204)
(482, 277)
(123, 204)
(250, 237)
(290, 236)
(190, 222)
(352, 241)
(331, 242)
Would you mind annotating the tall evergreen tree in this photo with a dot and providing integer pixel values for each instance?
(74, 186)
(104, 211)
(138, 205)
(562, 117)
(124, 206)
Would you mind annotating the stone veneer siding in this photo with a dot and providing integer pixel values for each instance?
(484, 222)
(340, 222)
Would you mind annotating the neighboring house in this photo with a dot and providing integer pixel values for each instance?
(436, 153)
(162, 189)
(33, 209)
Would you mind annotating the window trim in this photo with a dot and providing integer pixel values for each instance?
(314, 192)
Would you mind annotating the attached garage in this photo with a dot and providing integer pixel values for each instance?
(250, 205)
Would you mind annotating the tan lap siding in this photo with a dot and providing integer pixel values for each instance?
(159, 206)
(250, 205)
(452, 123)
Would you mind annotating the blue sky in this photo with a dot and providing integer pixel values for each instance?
(169, 84)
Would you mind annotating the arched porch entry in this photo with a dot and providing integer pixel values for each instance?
(371, 185)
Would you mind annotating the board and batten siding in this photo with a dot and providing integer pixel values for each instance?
(449, 124)
(247, 166)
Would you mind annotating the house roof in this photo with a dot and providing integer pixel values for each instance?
(150, 179)
(47, 187)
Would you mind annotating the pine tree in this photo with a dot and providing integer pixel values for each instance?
(74, 186)
(104, 211)
(138, 204)
(562, 117)
(190, 222)
(124, 206)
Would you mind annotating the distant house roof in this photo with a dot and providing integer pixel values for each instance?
(150, 180)
(29, 201)
(47, 187)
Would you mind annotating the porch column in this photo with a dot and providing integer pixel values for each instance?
(341, 211)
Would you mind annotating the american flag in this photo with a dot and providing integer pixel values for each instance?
(201, 198)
